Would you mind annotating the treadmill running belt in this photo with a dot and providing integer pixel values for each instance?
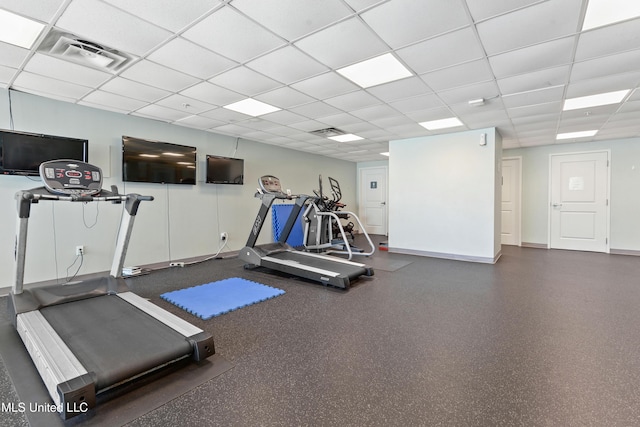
(114, 339)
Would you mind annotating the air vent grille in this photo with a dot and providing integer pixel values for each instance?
(328, 132)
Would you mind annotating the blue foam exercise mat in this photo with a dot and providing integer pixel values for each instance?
(216, 298)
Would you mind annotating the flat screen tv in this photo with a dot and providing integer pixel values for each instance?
(21, 153)
(225, 170)
(157, 162)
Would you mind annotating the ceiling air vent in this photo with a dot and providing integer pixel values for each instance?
(83, 52)
(328, 132)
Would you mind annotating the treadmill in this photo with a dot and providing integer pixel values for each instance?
(281, 256)
(93, 336)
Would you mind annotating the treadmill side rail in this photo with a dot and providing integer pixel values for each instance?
(201, 341)
(69, 384)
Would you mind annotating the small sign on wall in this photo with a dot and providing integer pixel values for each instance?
(373, 184)
(576, 183)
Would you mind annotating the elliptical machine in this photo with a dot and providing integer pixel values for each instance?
(324, 231)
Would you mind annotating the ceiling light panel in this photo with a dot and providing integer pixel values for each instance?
(251, 107)
(18, 31)
(356, 42)
(290, 18)
(442, 123)
(572, 135)
(96, 20)
(382, 69)
(232, 35)
(347, 137)
(605, 12)
(595, 100)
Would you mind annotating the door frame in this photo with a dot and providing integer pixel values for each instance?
(608, 204)
(519, 227)
(360, 195)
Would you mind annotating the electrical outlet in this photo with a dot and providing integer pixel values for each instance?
(80, 250)
(224, 236)
(176, 264)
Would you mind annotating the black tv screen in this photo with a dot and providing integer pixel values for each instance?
(157, 162)
(21, 153)
(225, 170)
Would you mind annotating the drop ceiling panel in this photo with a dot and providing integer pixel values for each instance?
(437, 53)
(531, 25)
(417, 103)
(112, 100)
(155, 111)
(540, 96)
(486, 90)
(187, 57)
(100, 22)
(400, 89)
(136, 90)
(284, 117)
(420, 19)
(459, 75)
(606, 66)
(607, 40)
(185, 104)
(64, 70)
(277, 65)
(212, 94)
(535, 80)
(169, 14)
(148, 72)
(42, 10)
(315, 109)
(359, 5)
(603, 84)
(483, 9)
(353, 100)
(198, 122)
(284, 97)
(357, 42)
(12, 56)
(245, 81)
(232, 35)
(533, 58)
(325, 86)
(292, 19)
(35, 83)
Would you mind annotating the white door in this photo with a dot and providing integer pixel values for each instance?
(579, 205)
(373, 199)
(511, 189)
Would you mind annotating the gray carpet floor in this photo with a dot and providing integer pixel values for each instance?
(542, 338)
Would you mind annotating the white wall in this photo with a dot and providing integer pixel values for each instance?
(444, 195)
(182, 222)
(624, 196)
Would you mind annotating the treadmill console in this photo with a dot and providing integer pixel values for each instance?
(71, 177)
(270, 184)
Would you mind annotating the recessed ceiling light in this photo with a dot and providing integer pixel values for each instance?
(385, 154)
(595, 100)
(581, 134)
(251, 107)
(604, 12)
(347, 137)
(381, 69)
(19, 31)
(442, 123)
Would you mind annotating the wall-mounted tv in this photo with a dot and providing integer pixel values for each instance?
(225, 170)
(21, 153)
(157, 162)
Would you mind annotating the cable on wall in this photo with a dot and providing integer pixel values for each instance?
(10, 111)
